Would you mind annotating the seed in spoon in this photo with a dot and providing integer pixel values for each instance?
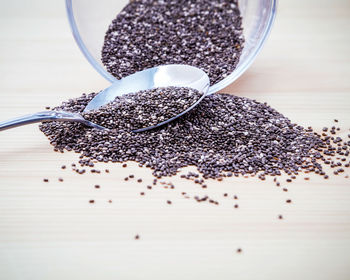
(144, 108)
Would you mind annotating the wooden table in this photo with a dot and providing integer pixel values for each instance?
(50, 231)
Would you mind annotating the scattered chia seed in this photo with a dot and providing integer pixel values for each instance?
(97, 186)
(91, 201)
(63, 167)
(60, 179)
(289, 201)
(146, 33)
(168, 201)
(280, 217)
(137, 237)
(46, 180)
(224, 133)
(139, 180)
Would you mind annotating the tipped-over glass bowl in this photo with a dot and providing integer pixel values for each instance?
(89, 20)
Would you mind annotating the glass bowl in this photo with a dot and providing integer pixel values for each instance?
(89, 21)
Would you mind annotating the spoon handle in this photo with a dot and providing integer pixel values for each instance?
(46, 116)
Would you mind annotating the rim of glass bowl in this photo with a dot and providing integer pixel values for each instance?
(242, 67)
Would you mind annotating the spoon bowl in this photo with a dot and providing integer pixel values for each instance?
(177, 75)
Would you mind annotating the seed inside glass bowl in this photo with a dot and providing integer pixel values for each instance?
(203, 33)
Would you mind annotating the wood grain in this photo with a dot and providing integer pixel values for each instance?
(50, 231)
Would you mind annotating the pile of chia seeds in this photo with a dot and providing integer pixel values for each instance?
(203, 33)
(224, 135)
(144, 108)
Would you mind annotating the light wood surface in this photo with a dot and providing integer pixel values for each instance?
(50, 231)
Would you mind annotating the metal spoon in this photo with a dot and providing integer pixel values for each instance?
(177, 75)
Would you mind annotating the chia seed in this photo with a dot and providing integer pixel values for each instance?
(203, 33)
(224, 133)
(144, 108)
